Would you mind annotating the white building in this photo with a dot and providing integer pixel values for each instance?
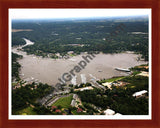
(108, 84)
(143, 73)
(118, 114)
(109, 112)
(140, 93)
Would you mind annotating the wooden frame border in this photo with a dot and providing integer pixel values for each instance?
(6, 4)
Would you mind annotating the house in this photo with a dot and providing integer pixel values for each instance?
(109, 112)
(108, 84)
(75, 96)
(120, 83)
(146, 67)
(58, 54)
(79, 110)
(58, 111)
(70, 52)
(54, 107)
(143, 73)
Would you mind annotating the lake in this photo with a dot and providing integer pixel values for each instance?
(47, 70)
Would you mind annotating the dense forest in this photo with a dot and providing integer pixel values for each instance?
(109, 35)
(15, 66)
(17, 41)
(26, 95)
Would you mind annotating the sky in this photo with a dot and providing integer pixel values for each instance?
(73, 13)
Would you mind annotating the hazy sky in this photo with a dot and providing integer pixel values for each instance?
(73, 13)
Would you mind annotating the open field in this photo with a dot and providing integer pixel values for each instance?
(64, 102)
(111, 79)
(26, 111)
(21, 30)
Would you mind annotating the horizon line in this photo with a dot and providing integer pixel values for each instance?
(75, 18)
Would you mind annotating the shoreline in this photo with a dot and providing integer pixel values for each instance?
(67, 56)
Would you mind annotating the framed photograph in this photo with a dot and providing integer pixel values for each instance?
(79, 64)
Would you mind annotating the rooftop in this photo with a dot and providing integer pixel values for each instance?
(140, 93)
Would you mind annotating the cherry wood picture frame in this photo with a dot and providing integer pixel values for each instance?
(4, 56)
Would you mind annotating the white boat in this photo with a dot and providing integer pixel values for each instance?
(122, 69)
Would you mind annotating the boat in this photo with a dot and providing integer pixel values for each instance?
(122, 69)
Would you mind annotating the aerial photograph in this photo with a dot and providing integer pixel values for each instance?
(79, 62)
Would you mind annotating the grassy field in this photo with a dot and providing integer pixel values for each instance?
(112, 79)
(26, 111)
(64, 102)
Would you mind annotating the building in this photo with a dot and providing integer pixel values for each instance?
(79, 110)
(108, 84)
(82, 89)
(70, 52)
(143, 73)
(54, 107)
(118, 114)
(146, 67)
(75, 96)
(58, 111)
(140, 93)
(109, 112)
(73, 103)
(76, 101)
(120, 83)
